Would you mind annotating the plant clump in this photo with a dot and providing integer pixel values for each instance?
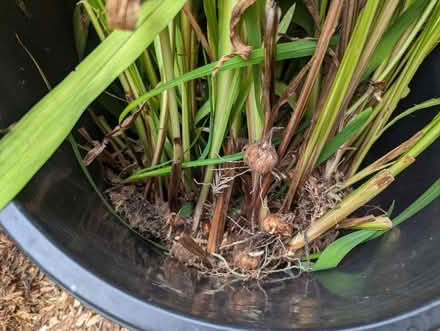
(187, 100)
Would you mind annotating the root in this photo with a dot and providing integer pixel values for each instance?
(243, 253)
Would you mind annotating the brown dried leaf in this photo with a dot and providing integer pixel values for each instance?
(95, 151)
(354, 221)
(29, 301)
(314, 11)
(273, 14)
(188, 242)
(198, 31)
(94, 320)
(322, 47)
(123, 14)
(119, 130)
(240, 48)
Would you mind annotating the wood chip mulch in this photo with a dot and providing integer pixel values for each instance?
(30, 301)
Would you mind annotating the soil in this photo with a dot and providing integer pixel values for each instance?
(243, 253)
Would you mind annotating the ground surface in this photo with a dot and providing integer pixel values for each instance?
(30, 301)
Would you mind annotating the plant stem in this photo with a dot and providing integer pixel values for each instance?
(168, 69)
(254, 111)
(309, 157)
(225, 90)
(351, 203)
(425, 43)
(149, 69)
(369, 190)
(321, 49)
(188, 93)
(126, 79)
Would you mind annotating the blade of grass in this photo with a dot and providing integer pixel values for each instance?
(160, 170)
(340, 139)
(210, 8)
(393, 34)
(368, 190)
(83, 167)
(211, 107)
(329, 112)
(19, 159)
(81, 23)
(424, 105)
(376, 223)
(336, 251)
(168, 58)
(285, 51)
(254, 109)
(286, 21)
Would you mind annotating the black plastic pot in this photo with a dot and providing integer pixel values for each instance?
(389, 284)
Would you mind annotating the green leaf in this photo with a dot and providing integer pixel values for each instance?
(204, 111)
(211, 108)
(210, 9)
(289, 50)
(349, 131)
(81, 25)
(39, 133)
(424, 105)
(393, 34)
(286, 21)
(186, 210)
(164, 171)
(303, 18)
(425, 199)
(336, 251)
(391, 209)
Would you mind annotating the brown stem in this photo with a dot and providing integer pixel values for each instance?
(350, 204)
(199, 33)
(270, 36)
(221, 208)
(348, 23)
(321, 49)
(258, 202)
(173, 185)
(255, 206)
(378, 164)
(217, 229)
(314, 11)
(188, 242)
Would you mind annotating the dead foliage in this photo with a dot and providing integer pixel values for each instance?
(30, 301)
(240, 48)
(123, 14)
(243, 252)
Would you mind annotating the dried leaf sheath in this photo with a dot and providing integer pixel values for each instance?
(123, 14)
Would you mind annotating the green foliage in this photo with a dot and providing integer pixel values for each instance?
(344, 136)
(42, 127)
(336, 251)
